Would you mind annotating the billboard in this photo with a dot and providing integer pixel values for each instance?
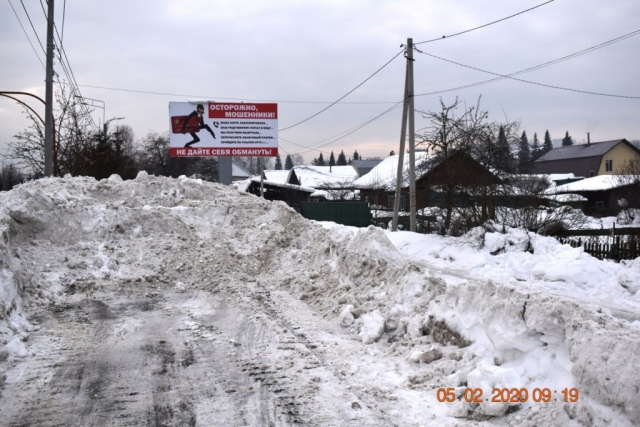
(200, 129)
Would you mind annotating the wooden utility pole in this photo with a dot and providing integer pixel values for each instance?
(48, 114)
(412, 139)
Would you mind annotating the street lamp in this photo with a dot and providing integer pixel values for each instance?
(109, 121)
(93, 101)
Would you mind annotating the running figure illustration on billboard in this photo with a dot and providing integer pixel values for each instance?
(192, 124)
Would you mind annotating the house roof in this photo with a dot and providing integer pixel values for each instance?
(238, 172)
(596, 149)
(317, 176)
(384, 175)
(280, 184)
(369, 163)
(312, 177)
(281, 176)
(596, 183)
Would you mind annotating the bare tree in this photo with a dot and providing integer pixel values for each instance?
(72, 133)
(448, 134)
(338, 189)
(297, 159)
(448, 131)
(628, 178)
(527, 203)
(153, 157)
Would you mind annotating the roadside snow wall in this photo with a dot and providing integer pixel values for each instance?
(78, 235)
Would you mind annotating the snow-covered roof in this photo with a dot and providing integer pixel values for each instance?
(316, 176)
(281, 176)
(562, 176)
(325, 176)
(335, 194)
(384, 175)
(566, 198)
(596, 183)
(282, 184)
(238, 172)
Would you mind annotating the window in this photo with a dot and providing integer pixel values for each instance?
(392, 198)
(608, 165)
(591, 173)
(599, 206)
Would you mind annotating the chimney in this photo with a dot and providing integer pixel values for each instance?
(588, 138)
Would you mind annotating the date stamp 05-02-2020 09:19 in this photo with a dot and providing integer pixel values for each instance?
(510, 395)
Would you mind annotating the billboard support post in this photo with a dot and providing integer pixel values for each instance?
(225, 170)
(261, 177)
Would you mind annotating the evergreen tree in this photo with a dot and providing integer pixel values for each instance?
(319, 161)
(342, 159)
(504, 161)
(279, 162)
(536, 150)
(548, 145)
(524, 153)
(567, 140)
(332, 160)
(288, 163)
(356, 156)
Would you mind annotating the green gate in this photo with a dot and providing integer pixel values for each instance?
(356, 214)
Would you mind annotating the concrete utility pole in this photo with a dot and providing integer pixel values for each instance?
(412, 139)
(48, 126)
(406, 110)
(403, 133)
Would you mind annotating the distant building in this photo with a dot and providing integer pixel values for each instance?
(587, 160)
(603, 193)
(364, 166)
(238, 173)
(432, 173)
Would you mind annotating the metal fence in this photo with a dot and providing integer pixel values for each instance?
(356, 214)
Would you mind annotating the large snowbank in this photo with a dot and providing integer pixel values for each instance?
(485, 310)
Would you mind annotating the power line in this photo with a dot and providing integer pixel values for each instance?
(528, 81)
(72, 79)
(68, 71)
(64, 13)
(27, 35)
(349, 132)
(485, 25)
(146, 92)
(537, 67)
(501, 77)
(32, 27)
(341, 134)
(344, 96)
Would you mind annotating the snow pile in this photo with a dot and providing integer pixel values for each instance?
(485, 310)
(13, 326)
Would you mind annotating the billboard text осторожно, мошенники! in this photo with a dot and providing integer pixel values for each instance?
(223, 129)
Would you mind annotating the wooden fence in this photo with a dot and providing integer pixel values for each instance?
(624, 242)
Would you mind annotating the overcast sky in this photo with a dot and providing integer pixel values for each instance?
(303, 53)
